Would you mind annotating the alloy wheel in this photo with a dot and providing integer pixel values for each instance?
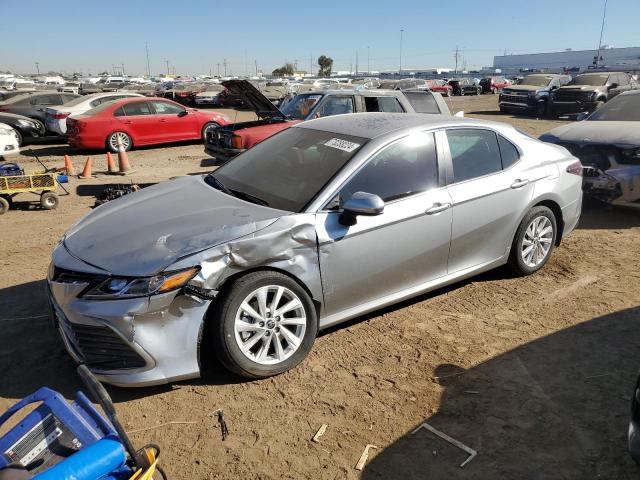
(536, 242)
(124, 140)
(270, 324)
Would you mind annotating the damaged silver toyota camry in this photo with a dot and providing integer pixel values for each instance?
(320, 223)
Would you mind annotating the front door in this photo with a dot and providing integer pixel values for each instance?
(405, 246)
(173, 124)
(137, 119)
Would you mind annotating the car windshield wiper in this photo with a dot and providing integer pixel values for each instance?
(217, 184)
(249, 198)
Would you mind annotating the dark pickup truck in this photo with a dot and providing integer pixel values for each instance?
(589, 91)
(531, 95)
(227, 141)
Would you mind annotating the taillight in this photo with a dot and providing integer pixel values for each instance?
(236, 141)
(575, 168)
(60, 116)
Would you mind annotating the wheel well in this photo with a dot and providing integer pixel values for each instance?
(106, 141)
(557, 211)
(203, 337)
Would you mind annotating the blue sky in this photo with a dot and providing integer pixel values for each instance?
(196, 35)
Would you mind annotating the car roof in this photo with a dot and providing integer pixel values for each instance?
(354, 91)
(35, 93)
(376, 124)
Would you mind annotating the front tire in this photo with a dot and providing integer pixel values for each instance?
(112, 142)
(534, 241)
(19, 135)
(207, 127)
(4, 205)
(264, 325)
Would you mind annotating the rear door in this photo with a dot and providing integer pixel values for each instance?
(174, 123)
(137, 118)
(490, 188)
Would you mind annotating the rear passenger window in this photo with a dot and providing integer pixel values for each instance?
(382, 104)
(422, 102)
(404, 168)
(138, 108)
(474, 153)
(119, 112)
(508, 152)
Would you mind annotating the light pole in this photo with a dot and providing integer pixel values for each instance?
(38, 67)
(368, 61)
(604, 15)
(167, 62)
(400, 69)
(225, 67)
(146, 46)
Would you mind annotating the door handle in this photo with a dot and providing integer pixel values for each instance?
(162, 120)
(437, 208)
(128, 122)
(519, 183)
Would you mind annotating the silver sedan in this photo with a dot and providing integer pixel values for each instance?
(320, 223)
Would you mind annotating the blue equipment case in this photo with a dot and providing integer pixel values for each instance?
(56, 434)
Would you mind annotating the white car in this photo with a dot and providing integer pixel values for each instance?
(8, 141)
(56, 117)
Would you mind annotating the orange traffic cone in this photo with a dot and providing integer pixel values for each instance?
(123, 160)
(68, 166)
(86, 171)
(111, 165)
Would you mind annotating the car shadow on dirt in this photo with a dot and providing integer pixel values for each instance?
(597, 215)
(32, 354)
(556, 407)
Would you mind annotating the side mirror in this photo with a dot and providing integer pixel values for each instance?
(613, 85)
(361, 203)
(554, 87)
(183, 113)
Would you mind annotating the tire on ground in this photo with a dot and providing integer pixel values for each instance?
(221, 325)
(516, 263)
(49, 200)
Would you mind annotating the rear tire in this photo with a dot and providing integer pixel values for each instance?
(533, 243)
(49, 200)
(4, 205)
(112, 143)
(278, 348)
(541, 110)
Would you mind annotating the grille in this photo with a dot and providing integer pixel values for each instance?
(219, 137)
(103, 348)
(98, 346)
(507, 97)
(571, 96)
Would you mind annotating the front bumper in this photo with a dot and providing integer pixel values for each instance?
(129, 342)
(577, 106)
(222, 153)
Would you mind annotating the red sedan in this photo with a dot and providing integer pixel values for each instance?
(137, 122)
(440, 86)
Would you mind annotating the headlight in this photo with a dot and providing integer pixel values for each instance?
(27, 123)
(122, 287)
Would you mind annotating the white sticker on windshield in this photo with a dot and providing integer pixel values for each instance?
(342, 144)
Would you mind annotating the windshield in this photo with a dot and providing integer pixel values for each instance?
(287, 170)
(536, 80)
(622, 108)
(595, 80)
(300, 106)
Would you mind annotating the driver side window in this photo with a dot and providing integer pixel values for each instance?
(401, 169)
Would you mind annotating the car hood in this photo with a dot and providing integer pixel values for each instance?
(142, 233)
(620, 134)
(253, 97)
(579, 88)
(13, 117)
(523, 88)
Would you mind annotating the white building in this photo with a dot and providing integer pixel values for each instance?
(612, 58)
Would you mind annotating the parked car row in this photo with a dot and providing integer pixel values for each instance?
(555, 95)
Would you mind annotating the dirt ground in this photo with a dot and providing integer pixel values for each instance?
(535, 373)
